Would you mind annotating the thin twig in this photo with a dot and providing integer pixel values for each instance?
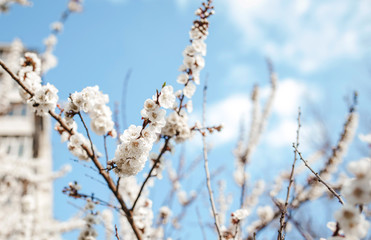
(93, 178)
(291, 180)
(207, 166)
(300, 229)
(200, 224)
(258, 125)
(318, 176)
(87, 133)
(116, 233)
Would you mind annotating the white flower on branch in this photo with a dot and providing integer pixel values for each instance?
(358, 190)
(360, 168)
(167, 97)
(352, 222)
(45, 99)
(137, 141)
(75, 5)
(88, 232)
(199, 46)
(189, 90)
(265, 213)
(57, 26)
(239, 215)
(74, 145)
(176, 125)
(31, 60)
(92, 101)
(182, 78)
(164, 214)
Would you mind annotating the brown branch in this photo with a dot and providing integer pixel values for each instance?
(111, 185)
(207, 167)
(116, 233)
(163, 150)
(318, 176)
(291, 180)
(87, 133)
(20, 83)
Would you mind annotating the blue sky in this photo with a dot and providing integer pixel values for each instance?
(320, 49)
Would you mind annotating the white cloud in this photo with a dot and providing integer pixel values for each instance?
(302, 33)
(290, 95)
(228, 112)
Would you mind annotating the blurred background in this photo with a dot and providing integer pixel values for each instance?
(320, 51)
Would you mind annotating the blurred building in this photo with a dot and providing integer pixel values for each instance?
(26, 177)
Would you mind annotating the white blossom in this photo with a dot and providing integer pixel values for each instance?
(137, 141)
(182, 78)
(189, 90)
(352, 222)
(265, 213)
(75, 146)
(45, 99)
(239, 215)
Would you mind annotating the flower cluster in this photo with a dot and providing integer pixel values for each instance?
(142, 213)
(5, 4)
(93, 102)
(45, 97)
(239, 215)
(75, 146)
(75, 5)
(193, 63)
(193, 54)
(164, 214)
(265, 214)
(356, 191)
(352, 222)
(49, 60)
(137, 141)
(176, 125)
(88, 232)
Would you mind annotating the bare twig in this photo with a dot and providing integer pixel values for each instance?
(258, 123)
(116, 233)
(300, 229)
(207, 167)
(281, 235)
(87, 133)
(318, 176)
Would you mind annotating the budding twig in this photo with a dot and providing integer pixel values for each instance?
(281, 235)
(207, 167)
